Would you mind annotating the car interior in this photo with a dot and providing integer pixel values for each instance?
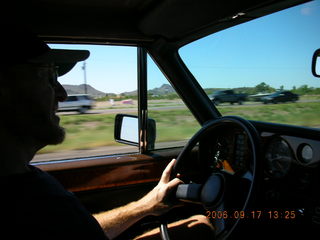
(250, 177)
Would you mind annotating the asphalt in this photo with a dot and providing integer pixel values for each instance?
(171, 107)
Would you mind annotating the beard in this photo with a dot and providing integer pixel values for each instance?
(50, 134)
(40, 130)
(48, 131)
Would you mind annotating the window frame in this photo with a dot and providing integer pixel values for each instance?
(142, 99)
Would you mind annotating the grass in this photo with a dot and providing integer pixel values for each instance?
(310, 97)
(96, 130)
(174, 125)
(303, 114)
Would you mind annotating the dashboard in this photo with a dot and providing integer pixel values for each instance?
(283, 154)
(290, 167)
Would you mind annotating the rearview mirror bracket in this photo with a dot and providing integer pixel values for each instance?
(316, 63)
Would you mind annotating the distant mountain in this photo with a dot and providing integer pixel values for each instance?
(132, 93)
(163, 90)
(79, 89)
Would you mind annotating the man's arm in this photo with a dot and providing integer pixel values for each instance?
(116, 221)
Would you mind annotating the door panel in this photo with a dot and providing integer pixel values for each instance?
(106, 182)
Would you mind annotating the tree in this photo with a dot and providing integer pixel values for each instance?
(263, 88)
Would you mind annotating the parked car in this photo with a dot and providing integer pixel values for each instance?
(78, 102)
(281, 96)
(228, 96)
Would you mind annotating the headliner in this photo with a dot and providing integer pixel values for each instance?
(138, 21)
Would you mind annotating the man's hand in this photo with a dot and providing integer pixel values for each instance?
(156, 202)
(158, 198)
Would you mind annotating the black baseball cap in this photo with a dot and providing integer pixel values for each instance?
(64, 59)
(22, 46)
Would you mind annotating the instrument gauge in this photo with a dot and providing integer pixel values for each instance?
(305, 153)
(278, 158)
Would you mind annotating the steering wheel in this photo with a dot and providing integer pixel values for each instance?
(213, 186)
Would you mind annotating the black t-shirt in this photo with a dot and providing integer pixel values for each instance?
(34, 205)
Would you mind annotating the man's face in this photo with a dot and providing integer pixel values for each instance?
(32, 99)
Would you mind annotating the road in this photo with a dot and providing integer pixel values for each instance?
(125, 110)
(134, 110)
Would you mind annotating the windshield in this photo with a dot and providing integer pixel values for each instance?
(258, 61)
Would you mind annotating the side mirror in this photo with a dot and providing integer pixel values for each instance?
(316, 63)
(126, 130)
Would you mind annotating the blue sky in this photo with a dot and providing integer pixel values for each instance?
(109, 69)
(275, 49)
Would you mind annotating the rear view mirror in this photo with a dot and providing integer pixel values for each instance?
(316, 63)
(127, 130)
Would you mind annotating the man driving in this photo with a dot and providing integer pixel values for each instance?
(33, 203)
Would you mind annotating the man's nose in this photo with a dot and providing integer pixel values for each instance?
(61, 93)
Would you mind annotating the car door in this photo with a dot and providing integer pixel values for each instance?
(283, 97)
(68, 104)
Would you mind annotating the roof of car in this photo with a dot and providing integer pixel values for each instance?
(78, 95)
(138, 21)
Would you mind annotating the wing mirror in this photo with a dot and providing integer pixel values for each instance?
(126, 130)
(316, 63)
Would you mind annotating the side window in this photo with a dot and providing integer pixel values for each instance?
(109, 78)
(72, 98)
(175, 123)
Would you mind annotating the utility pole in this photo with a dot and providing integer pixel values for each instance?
(85, 76)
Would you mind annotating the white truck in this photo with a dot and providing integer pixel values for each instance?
(77, 102)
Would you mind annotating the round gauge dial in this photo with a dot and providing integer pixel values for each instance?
(305, 153)
(279, 158)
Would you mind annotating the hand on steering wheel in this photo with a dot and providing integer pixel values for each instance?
(158, 198)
